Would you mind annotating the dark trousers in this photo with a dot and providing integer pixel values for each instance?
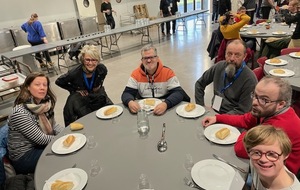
(265, 12)
(110, 21)
(168, 25)
(38, 55)
(258, 8)
(215, 13)
(251, 15)
(27, 163)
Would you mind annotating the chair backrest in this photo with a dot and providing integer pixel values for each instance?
(261, 61)
(259, 73)
(289, 50)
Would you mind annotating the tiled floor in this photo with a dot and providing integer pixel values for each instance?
(184, 52)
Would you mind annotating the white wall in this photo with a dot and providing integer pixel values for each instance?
(13, 13)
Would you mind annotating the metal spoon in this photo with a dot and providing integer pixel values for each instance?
(162, 144)
(86, 3)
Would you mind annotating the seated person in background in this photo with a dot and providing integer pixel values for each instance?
(268, 148)
(273, 46)
(270, 106)
(233, 81)
(294, 8)
(31, 125)
(85, 84)
(153, 80)
(231, 29)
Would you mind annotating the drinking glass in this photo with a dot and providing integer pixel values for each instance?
(95, 168)
(188, 162)
(144, 182)
(143, 123)
(91, 142)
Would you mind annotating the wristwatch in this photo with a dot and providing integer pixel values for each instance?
(118, 1)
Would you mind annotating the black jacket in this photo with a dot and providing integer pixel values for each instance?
(74, 81)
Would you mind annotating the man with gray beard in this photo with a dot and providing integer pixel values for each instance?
(232, 80)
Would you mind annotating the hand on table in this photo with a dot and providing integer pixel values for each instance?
(209, 121)
(133, 106)
(160, 108)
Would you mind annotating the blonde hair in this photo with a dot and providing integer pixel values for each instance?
(32, 18)
(90, 50)
(267, 135)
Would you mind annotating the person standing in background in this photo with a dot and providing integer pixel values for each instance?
(224, 6)
(165, 12)
(250, 9)
(258, 6)
(37, 36)
(294, 17)
(107, 9)
(215, 14)
(266, 7)
(174, 9)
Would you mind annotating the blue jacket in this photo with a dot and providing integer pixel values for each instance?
(35, 31)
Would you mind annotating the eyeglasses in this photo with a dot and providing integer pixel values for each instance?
(261, 100)
(150, 57)
(270, 155)
(237, 55)
(90, 60)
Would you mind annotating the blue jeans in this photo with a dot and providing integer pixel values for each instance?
(27, 163)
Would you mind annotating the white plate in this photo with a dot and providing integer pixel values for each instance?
(212, 174)
(197, 112)
(243, 29)
(282, 62)
(247, 26)
(210, 134)
(78, 176)
(100, 112)
(288, 73)
(294, 55)
(157, 101)
(251, 32)
(279, 33)
(59, 148)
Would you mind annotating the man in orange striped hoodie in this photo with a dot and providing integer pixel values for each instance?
(153, 80)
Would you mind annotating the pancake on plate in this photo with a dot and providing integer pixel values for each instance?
(275, 60)
(279, 71)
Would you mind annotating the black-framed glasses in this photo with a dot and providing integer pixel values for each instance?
(90, 60)
(149, 57)
(261, 100)
(270, 155)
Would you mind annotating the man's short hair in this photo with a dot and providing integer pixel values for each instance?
(147, 48)
(236, 42)
(285, 89)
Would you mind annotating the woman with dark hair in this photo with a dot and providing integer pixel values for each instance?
(37, 36)
(31, 125)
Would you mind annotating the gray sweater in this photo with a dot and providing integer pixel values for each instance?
(236, 98)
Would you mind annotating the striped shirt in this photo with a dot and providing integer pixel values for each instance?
(24, 132)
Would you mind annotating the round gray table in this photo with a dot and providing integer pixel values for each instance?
(124, 156)
(293, 64)
(265, 33)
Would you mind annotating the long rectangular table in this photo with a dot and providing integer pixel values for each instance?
(123, 156)
(117, 32)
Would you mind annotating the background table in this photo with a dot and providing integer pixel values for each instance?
(124, 156)
(265, 33)
(293, 64)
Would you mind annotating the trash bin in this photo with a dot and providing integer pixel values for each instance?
(27, 59)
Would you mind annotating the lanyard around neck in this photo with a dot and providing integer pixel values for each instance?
(234, 78)
(88, 84)
(151, 81)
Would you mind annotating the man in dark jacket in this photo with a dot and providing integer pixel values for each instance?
(174, 9)
(165, 12)
(224, 6)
